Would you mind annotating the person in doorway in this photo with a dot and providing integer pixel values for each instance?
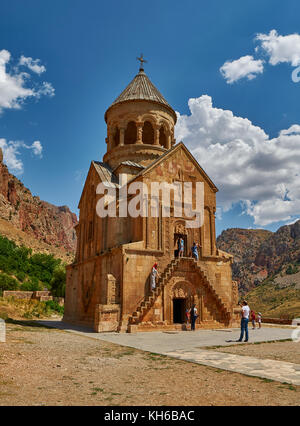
(253, 319)
(194, 251)
(180, 244)
(244, 321)
(259, 319)
(193, 317)
(154, 275)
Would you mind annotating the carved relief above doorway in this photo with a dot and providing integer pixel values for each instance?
(180, 296)
(180, 231)
(180, 228)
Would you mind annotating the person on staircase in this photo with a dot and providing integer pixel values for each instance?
(153, 276)
(194, 251)
(180, 245)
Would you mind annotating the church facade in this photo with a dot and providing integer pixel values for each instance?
(108, 284)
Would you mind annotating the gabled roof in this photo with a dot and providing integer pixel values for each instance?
(105, 174)
(130, 164)
(141, 89)
(168, 153)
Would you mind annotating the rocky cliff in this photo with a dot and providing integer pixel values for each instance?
(49, 224)
(258, 253)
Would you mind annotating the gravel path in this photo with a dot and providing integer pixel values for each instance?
(40, 366)
(278, 351)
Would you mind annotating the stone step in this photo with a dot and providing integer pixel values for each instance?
(138, 315)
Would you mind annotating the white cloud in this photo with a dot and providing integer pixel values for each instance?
(11, 153)
(280, 48)
(248, 167)
(14, 89)
(36, 147)
(244, 67)
(293, 221)
(276, 47)
(32, 64)
(46, 89)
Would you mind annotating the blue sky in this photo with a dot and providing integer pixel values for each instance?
(89, 49)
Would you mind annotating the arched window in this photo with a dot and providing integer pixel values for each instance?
(162, 137)
(148, 133)
(130, 136)
(116, 137)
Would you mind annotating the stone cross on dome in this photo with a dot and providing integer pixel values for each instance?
(142, 61)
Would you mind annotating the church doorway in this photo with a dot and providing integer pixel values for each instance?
(176, 237)
(179, 307)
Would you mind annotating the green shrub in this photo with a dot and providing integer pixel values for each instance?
(20, 261)
(21, 276)
(290, 270)
(7, 282)
(58, 282)
(32, 285)
(53, 305)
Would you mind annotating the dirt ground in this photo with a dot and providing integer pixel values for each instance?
(279, 351)
(40, 366)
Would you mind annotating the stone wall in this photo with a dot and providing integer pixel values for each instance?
(18, 294)
(277, 321)
(42, 296)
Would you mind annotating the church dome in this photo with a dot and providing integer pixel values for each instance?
(140, 123)
(142, 89)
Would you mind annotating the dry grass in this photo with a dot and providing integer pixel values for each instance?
(40, 366)
(275, 302)
(285, 350)
(11, 308)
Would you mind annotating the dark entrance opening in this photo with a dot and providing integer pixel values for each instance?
(176, 237)
(179, 306)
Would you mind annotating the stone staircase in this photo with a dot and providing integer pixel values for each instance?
(223, 303)
(149, 299)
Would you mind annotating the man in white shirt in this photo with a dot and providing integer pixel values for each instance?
(244, 321)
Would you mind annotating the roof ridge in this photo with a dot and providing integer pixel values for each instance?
(141, 88)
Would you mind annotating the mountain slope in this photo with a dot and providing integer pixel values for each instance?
(275, 302)
(259, 254)
(244, 245)
(49, 225)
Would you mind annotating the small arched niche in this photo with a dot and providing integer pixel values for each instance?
(130, 136)
(162, 137)
(148, 133)
(116, 137)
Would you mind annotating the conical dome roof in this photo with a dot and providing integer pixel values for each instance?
(141, 88)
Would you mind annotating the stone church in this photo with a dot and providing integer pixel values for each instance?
(108, 284)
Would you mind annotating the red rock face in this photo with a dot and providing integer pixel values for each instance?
(46, 222)
(260, 253)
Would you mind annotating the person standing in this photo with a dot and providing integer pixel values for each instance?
(187, 316)
(259, 319)
(180, 243)
(194, 251)
(153, 276)
(193, 317)
(244, 322)
(253, 319)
